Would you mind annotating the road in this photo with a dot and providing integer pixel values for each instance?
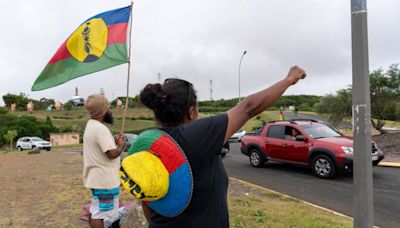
(336, 194)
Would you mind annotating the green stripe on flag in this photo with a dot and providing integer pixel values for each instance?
(67, 69)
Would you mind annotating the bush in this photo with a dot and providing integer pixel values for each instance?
(25, 126)
(68, 106)
(305, 107)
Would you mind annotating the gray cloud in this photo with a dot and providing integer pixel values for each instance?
(201, 41)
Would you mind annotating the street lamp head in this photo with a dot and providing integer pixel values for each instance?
(244, 52)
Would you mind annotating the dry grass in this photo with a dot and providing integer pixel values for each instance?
(45, 190)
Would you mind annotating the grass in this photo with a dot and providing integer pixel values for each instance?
(254, 123)
(258, 207)
(56, 177)
(136, 119)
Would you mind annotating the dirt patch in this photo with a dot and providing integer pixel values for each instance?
(41, 190)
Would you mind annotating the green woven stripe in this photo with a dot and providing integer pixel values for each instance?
(144, 141)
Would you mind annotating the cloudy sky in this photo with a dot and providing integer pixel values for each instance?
(200, 41)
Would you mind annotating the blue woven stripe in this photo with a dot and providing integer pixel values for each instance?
(179, 193)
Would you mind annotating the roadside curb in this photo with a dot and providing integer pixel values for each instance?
(389, 164)
(291, 197)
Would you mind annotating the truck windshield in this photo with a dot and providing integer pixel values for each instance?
(320, 131)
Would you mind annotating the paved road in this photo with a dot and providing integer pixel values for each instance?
(334, 194)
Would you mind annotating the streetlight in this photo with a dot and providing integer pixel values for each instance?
(240, 64)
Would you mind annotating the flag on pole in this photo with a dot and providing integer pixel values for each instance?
(97, 44)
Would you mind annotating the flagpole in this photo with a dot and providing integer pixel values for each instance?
(129, 73)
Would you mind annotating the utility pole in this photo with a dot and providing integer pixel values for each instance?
(362, 173)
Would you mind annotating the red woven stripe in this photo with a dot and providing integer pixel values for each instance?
(168, 152)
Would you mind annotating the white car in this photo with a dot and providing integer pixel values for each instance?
(238, 135)
(30, 143)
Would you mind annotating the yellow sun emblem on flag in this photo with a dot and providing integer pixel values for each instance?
(89, 41)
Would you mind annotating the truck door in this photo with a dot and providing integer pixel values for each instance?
(297, 151)
(275, 142)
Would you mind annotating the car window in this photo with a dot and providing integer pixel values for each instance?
(291, 133)
(37, 139)
(317, 131)
(26, 140)
(276, 132)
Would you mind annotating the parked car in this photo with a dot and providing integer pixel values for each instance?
(237, 136)
(78, 101)
(304, 142)
(30, 143)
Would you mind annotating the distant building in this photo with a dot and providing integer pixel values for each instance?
(66, 138)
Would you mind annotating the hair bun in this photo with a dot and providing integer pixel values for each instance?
(151, 94)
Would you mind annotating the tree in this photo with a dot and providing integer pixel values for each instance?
(10, 136)
(385, 95)
(385, 92)
(21, 100)
(337, 106)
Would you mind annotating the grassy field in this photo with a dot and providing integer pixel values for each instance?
(45, 190)
(137, 119)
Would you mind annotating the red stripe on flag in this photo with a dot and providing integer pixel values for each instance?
(168, 152)
(117, 33)
(62, 53)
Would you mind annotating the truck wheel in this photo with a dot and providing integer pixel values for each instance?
(33, 147)
(323, 166)
(19, 148)
(256, 158)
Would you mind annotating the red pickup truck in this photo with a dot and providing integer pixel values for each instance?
(303, 142)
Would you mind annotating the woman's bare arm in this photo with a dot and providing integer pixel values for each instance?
(258, 102)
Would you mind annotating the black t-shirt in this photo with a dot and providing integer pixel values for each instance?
(201, 141)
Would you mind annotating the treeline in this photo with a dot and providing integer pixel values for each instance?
(21, 100)
(302, 102)
(385, 99)
(24, 126)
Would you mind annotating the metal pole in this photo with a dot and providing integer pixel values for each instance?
(362, 175)
(240, 64)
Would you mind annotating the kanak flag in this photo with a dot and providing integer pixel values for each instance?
(97, 44)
